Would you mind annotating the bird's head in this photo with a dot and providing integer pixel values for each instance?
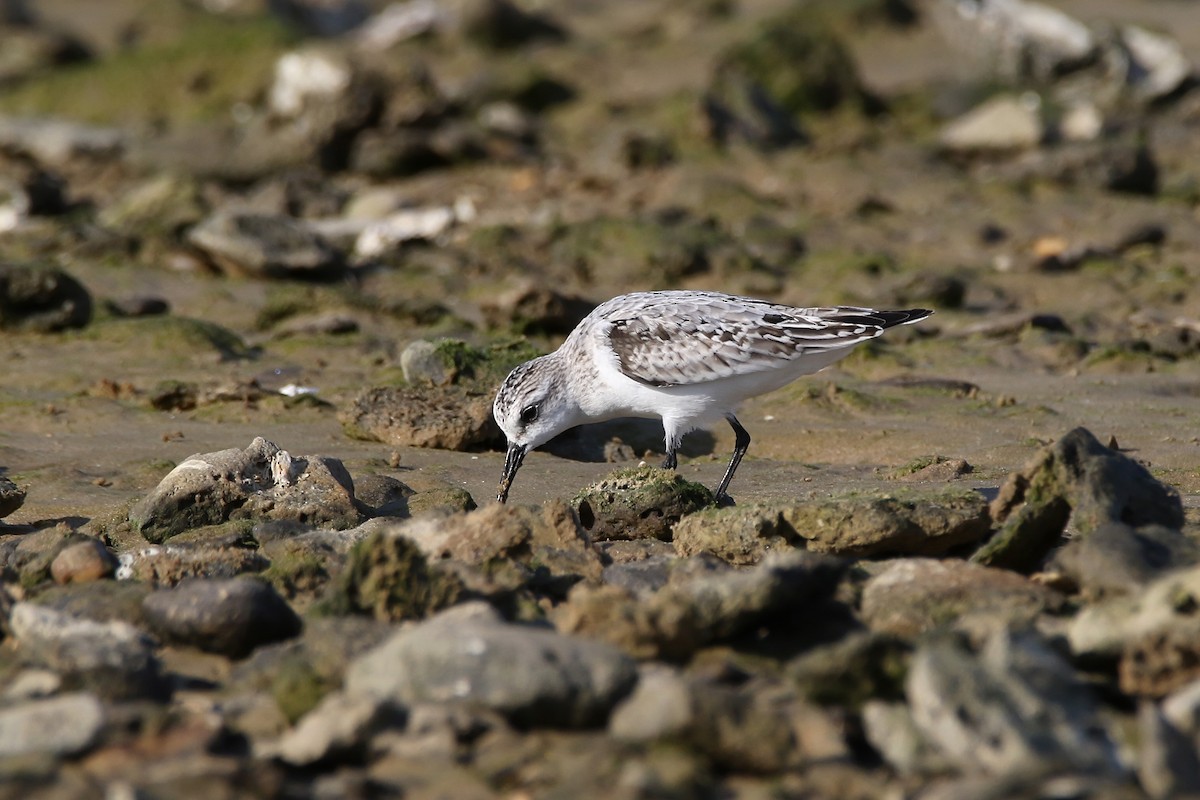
(534, 405)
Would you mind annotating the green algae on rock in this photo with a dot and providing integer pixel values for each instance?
(638, 503)
(388, 577)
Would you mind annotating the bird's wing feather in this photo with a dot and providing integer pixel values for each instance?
(703, 338)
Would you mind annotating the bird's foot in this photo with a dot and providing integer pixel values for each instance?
(723, 500)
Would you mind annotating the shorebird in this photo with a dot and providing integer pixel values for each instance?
(687, 357)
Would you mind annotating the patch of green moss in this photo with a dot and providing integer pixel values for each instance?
(294, 573)
(853, 671)
(196, 71)
(639, 503)
(917, 464)
(297, 687)
(389, 578)
(178, 336)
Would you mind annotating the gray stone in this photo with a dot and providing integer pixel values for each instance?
(230, 617)
(1119, 559)
(1168, 765)
(265, 246)
(913, 595)
(1015, 709)
(890, 729)
(1104, 630)
(909, 522)
(423, 364)
(112, 659)
(41, 299)
(1077, 485)
(260, 482)
(57, 726)
(532, 676)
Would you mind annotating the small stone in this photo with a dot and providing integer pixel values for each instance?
(1002, 124)
(265, 246)
(57, 726)
(424, 364)
(230, 617)
(1119, 559)
(638, 503)
(340, 726)
(83, 561)
(42, 299)
(659, 706)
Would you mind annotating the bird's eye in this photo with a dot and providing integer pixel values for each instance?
(530, 413)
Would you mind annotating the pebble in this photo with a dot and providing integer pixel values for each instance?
(230, 617)
(83, 561)
(56, 726)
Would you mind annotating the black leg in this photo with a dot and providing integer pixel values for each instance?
(741, 443)
(672, 460)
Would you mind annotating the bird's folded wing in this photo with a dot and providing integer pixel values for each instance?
(693, 345)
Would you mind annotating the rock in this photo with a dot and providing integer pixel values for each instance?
(1181, 708)
(861, 666)
(1117, 558)
(113, 659)
(260, 482)
(435, 363)
(388, 577)
(1158, 662)
(1154, 66)
(1026, 40)
(795, 64)
(137, 306)
(339, 727)
(1076, 484)
(676, 620)
(932, 468)
(751, 728)
(1017, 709)
(382, 236)
(168, 564)
(531, 309)
(660, 706)
(12, 497)
(530, 675)
(450, 418)
(83, 561)
(1168, 765)
(891, 730)
(57, 143)
(305, 78)
(230, 617)
(740, 534)
(265, 246)
(638, 503)
(911, 596)
(917, 522)
(41, 299)
(1003, 124)
(162, 206)
(498, 23)
(57, 726)
(550, 537)
(1102, 631)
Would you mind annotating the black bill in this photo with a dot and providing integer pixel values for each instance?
(512, 463)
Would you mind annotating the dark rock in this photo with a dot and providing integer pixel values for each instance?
(65, 725)
(387, 576)
(500, 23)
(638, 503)
(913, 595)
(1016, 709)
(12, 497)
(739, 534)
(230, 617)
(688, 613)
(42, 299)
(643, 577)
(383, 495)
(1117, 558)
(1076, 484)
(450, 417)
(532, 676)
(112, 659)
(864, 665)
(138, 306)
(266, 247)
(916, 522)
(260, 482)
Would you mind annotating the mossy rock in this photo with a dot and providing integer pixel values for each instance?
(863, 666)
(639, 503)
(389, 578)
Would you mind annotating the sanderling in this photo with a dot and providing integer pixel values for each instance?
(688, 357)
